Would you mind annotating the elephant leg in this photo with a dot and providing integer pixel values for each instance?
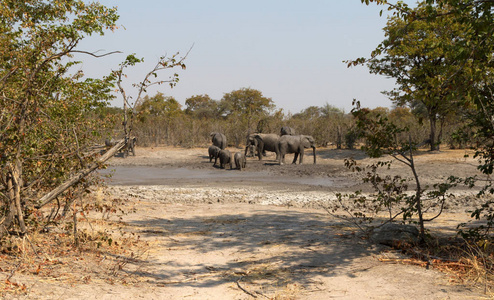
(295, 158)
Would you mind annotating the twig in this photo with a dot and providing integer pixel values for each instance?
(259, 293)
(76, 240)
(84, 214)
(13, 271)
(244, 290)
(32, 246)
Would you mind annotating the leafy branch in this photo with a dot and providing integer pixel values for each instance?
(150, 79)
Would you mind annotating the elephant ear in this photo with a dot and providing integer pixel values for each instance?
(306, 141)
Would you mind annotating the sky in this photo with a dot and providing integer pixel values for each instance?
(291, 51)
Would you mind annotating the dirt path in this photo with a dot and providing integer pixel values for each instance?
(224, 234)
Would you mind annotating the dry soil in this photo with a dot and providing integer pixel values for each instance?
(258, 233)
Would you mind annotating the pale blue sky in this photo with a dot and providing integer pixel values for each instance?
(292, 51)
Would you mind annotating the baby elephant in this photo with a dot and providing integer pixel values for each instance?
(240, 160)
(213, 153)
(225, 158)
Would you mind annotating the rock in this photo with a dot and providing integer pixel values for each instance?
(392, 234)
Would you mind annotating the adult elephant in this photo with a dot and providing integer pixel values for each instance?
(267, 142)
(219, 140)
(285, 130)
(295, 144)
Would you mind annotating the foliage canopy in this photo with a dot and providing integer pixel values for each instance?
(46, 127)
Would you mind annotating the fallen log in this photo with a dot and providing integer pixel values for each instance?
(80, 175)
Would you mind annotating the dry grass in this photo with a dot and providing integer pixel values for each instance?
(267, 280)
(465, 262)
(54, 257)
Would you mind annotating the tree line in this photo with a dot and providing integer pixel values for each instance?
(161, 120)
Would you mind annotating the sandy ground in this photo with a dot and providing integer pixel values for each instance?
(258, 233)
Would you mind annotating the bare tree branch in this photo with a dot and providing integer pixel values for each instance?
(94, 55)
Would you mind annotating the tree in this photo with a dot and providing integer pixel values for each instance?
(326, 124)
(403, 117)
(201, 107)
(389, 191)
(246, 103)
(156, 114)
(338, 123)
(309, 113)
(473, 54)
(418, 56)
(158, 106)
(245, 107)
(45, 124)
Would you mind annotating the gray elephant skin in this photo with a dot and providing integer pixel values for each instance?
(251, 145)
(213, 152)
(267, 142)
(225, 158)
(286, 130)
(219, 140)
(240, 161)
(296, 144)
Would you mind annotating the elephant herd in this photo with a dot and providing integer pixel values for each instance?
(218, 151)
(284, 143)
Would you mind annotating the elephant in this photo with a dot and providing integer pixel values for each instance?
(213, 153)
(130, 146)
(251, 146)
(285, 130)
(267, 142)
(295, 144)
(225, 158)
(219, 140)
(240, 161)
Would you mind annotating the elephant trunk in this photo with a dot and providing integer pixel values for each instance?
(314, 151)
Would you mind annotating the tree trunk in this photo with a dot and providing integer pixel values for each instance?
(13, 204)
(338, 137)
(8, 220)
(440, 134)
(17, 182)
(80, 175)
(432, 137)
